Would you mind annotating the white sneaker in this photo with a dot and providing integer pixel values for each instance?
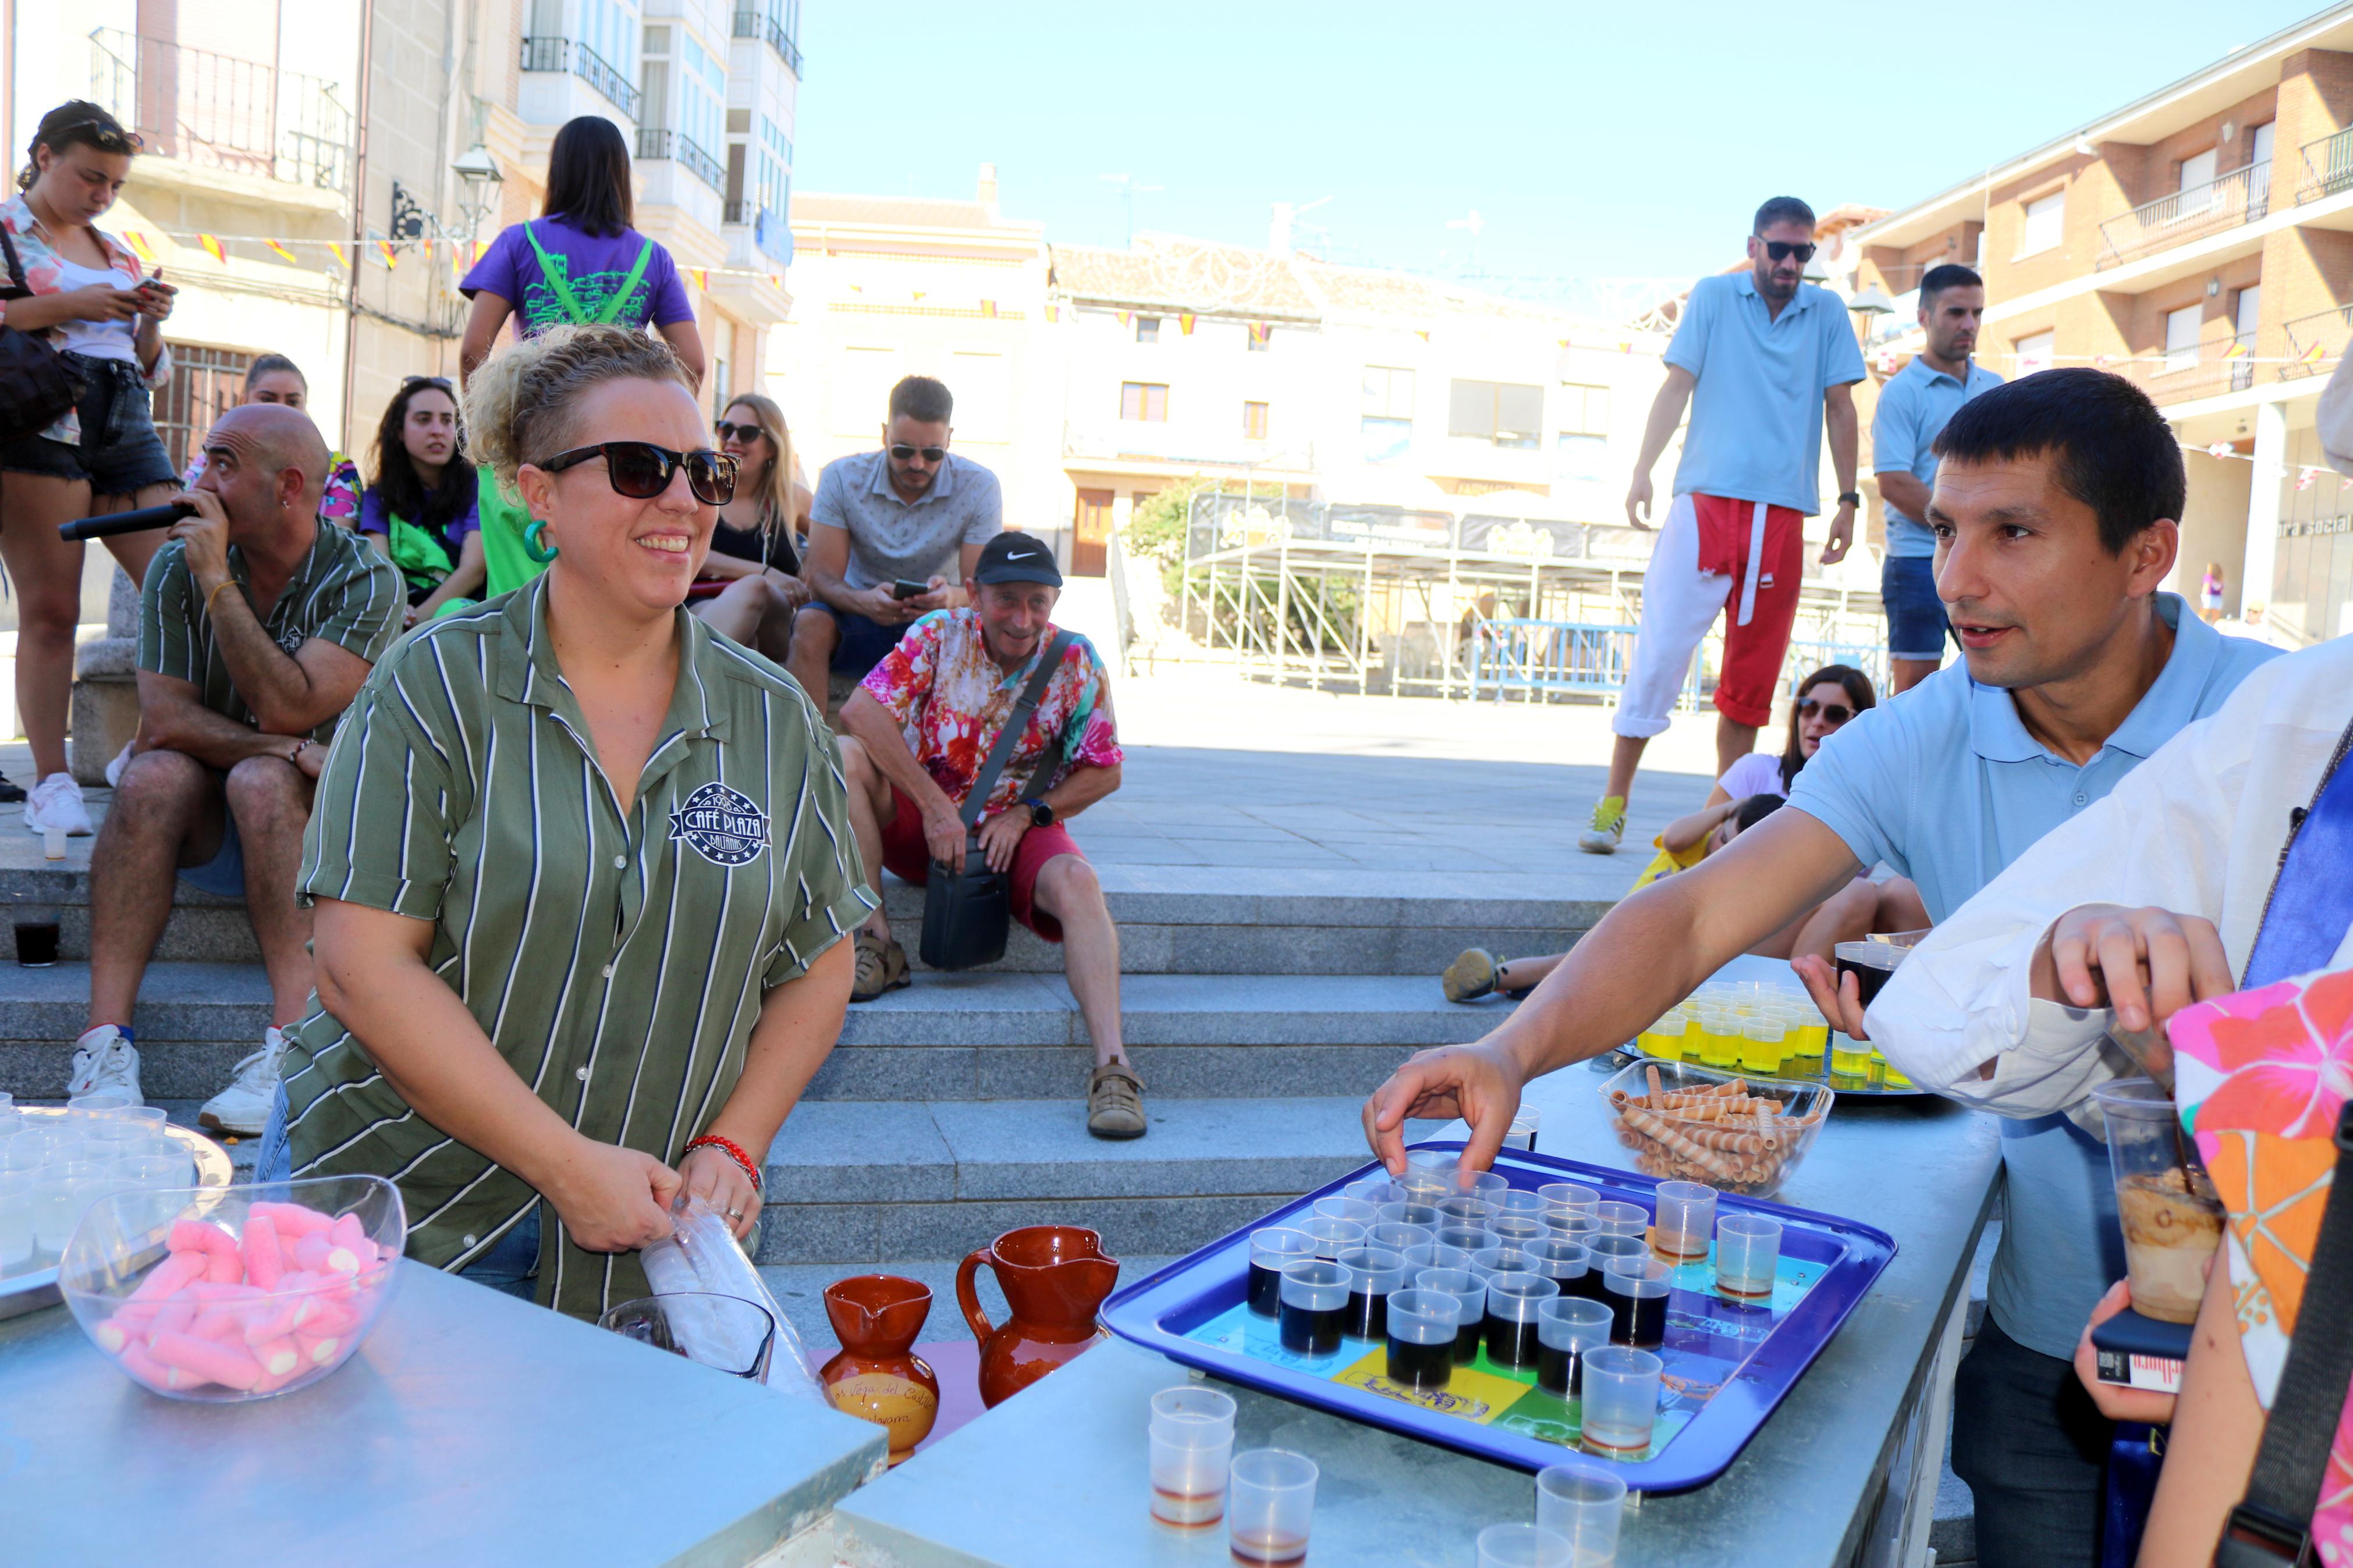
(114, 769)
(243, 1108)
(56, 802)
(104, 1059)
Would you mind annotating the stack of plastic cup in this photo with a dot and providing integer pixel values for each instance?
(1747, 1255)
(1270, 1504)
(1686, 1220)
(1584, 1506)
(1192, 1444)
(1522, 1546)
(1621, 1401)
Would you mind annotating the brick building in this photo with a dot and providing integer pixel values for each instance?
(2200, 241)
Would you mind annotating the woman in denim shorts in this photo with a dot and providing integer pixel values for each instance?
(88, 302)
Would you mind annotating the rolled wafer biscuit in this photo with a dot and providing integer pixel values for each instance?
(1673, 1138)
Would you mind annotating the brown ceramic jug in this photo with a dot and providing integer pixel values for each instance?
(1054, 1277)
(877, 1376)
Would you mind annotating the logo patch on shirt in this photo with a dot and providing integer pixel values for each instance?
(721, 826)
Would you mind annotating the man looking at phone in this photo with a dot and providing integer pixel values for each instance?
(918, 734)
(886, 529)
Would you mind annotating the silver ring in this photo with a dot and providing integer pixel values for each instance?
(735, 1214)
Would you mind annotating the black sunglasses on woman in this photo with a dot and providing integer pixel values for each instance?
(641, 471)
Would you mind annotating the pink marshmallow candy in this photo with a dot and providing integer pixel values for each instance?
(317, 1350)
(168, 1277)
(135, 1361)
(232, 1366)
(291, 1220)
(263, 1262)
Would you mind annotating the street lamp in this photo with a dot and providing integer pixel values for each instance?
(1871, 300)
(478, 174)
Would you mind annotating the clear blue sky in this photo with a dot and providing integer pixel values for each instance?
(1595, 138)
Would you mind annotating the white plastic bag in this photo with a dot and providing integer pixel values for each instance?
(702, 1254)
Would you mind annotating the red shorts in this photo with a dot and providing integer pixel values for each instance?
(1752, 648)
(906, 857)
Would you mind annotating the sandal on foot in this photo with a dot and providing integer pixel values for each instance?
(881, 966)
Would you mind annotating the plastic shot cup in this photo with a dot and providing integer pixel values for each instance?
(1518, 1230)
(1635, 1291)
(1469, 1293)
(1272, 1251)
(1433, 1256)
(1375, 1273)
(1873, 964)
(1408, 1212)
(1421, 1331)
(1583, 1504)
(1605, 1250)
(1270, 1504)
(1490, 1261)
(1466, 1208)
(1333, 1237)
(1665, 1039)
(1192, 1439)
(1468, 1237)
(1356, 1211)
(1396, 1236)
(1558, 1259)
(1762, 1044)
(1522, 1546)
(15, 1222)
(1686, 1221)
(1747, 1252)
(2172, 1219)
(1511, 1303)
(61, 1191)
(1568, 1198)
(1621, 1401)
(1522, 1204)
(101, 1099)
(1314, 1306)
(1522, 1133)
(1622, 1218)
(1567, 1328)
(1720, 1038)
(1374, 1190)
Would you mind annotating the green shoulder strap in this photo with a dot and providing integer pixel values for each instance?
(562, 286)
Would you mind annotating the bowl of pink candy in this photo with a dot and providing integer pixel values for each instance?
(238, 1293)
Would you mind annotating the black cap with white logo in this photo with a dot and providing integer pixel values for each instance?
(1016, 557)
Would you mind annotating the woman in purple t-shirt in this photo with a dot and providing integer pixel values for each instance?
(579, 261)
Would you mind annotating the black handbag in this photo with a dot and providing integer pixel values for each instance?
(36, 386)
(967, 914)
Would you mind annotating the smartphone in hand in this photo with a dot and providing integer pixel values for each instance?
(903, 589)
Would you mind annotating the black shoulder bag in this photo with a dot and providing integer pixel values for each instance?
(967, 914)
(36, 386)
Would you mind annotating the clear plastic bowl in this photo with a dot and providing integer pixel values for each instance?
(1674, 1143)
(259, 1340)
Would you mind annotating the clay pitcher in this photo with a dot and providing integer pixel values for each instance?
(1054, 1277)
(877, 1376)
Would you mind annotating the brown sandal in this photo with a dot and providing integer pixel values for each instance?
(881, 966)
(1115, 1101)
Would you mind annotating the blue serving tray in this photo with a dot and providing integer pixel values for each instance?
(1163, 1312)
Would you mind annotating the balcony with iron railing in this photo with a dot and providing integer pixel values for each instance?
(2316, 343)
(209, 110)
(753, 24)
(772, 236)
(2241, 196)
(655, 141)
(550, 52)
(2194, 373)
(2327, 167)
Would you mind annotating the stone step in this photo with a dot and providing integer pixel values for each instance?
(861, 1183)
(975, 1037)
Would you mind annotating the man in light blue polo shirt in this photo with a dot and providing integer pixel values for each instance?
(887, 530)
(2056, 513)
(1765, 362)
(1913, 408)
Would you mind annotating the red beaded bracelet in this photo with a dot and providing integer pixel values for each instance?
(731, 1149)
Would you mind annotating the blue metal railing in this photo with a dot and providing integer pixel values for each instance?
(1592, 658)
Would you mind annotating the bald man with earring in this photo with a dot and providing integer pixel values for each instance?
(257, 622)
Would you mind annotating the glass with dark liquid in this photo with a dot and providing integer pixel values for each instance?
(1559, 1260)
(1469, 1293)
(1409, 1213)
(1870, 963)
(36, 943)
(1314, 1306)
(1518, 1230)
(1635, 1292)
(1568, 1327)
(1421, 1331)
(1332, 1237)
(1511, 1303)
(1468, 1237)
(1271, 1250)
(1602, 1251)
(1395, 1236)
(1429, 1255)
(1374, 1274)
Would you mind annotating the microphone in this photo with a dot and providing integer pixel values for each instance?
(114, 523)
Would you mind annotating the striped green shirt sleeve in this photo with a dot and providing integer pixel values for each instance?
(383, 772)
(169, 640)
(829, 873)
(359, 608)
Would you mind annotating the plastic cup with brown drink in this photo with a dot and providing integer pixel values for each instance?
(2172, 1219)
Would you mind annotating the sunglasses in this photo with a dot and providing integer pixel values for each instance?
(1782, 249)
(901, 452)
(1833, 713)
(106, 140)
(641, 471)
(727, 432)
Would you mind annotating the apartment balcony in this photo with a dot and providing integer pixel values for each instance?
(753, 24)
(772, 236)
(2327, 167)
(551, 54)
(2241, 196)
(2181, 377)
(2316, 343)
(657, 143)
(211, 111)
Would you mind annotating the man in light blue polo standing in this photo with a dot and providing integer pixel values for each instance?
(1913, 408)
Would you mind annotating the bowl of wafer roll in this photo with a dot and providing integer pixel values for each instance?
(1686, 1123)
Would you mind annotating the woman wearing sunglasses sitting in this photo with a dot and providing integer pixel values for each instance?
(1826, 699)
(752, 563)
(423, 510)
(582, 868)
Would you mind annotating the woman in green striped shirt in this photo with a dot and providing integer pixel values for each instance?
(581, 868)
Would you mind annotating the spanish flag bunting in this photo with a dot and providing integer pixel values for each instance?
(2218, 449)
(457, 261)
(391, 256)
(1564, 342)
(1126, 317)
(137, 243)
(2304, 480)
(989, 309)
(702, 276)
(915, 295)
(2313, 354)
(1421, 332)
(2238, 349)
(1054, 312)
(1260, 332)
(213, 248)
(342, 261)
(281, 250)
(1184, 323)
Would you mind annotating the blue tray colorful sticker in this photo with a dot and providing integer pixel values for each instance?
(1727, 1366)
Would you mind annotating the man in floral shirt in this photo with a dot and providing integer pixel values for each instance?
(919, 730)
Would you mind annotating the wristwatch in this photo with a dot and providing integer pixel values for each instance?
(1850, 497)
(1041, 814)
